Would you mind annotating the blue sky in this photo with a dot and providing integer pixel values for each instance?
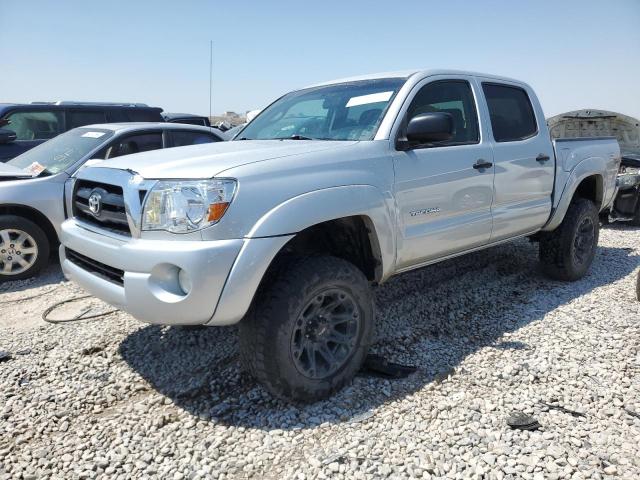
(575, 54)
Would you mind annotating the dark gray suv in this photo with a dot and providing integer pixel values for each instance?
(38, 122)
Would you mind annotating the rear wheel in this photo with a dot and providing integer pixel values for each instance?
(24, 248)
(309, 329)
(567, 252)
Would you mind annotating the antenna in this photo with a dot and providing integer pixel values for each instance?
(210, 78)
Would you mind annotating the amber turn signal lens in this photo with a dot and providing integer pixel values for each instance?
(216, 211)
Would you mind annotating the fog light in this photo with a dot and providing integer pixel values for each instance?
(185, 281)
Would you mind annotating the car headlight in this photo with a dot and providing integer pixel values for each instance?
(182, 206)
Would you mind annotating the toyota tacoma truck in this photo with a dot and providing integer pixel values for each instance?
(330, 190)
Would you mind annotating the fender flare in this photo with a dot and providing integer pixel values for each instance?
(317, 206)
(589, 167)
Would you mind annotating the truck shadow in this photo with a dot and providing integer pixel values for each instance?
(432, 318)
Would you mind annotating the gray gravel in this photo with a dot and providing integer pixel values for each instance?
(113, 398)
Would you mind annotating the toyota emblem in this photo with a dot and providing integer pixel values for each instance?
(95, 203)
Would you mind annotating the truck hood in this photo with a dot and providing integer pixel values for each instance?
(9, 172)
(205, 161)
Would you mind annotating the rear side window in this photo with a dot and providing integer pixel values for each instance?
(35, 125)
(80, 118)
(128, 145)
(190, 121)
(186, 137)
(142, 115)
(512, 116)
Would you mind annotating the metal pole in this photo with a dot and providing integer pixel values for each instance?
(210, 78)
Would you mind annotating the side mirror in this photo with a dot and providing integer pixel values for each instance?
(7, 136)
(430, 127)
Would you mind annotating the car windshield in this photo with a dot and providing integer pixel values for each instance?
(61, 152)
(345, 111)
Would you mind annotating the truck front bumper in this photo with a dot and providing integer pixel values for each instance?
(171, 282)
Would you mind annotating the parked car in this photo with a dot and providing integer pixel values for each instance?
(38, 122)
(32, 184)
(186, 118)
(329, 190)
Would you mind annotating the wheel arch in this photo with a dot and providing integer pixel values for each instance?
(35, 216)
(584, 184)
(356, 207)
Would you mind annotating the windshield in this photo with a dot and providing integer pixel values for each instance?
(345, 111)
(59, 153)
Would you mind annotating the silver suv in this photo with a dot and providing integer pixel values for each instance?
(329, 190)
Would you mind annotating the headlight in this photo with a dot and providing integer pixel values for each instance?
(182, 206)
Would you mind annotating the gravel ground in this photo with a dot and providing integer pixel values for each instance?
(114, 398)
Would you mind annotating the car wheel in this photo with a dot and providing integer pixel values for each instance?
(24, 248)
(567, 252)
(309, 329)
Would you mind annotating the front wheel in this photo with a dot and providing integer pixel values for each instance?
(567, 252)
(24, 248)
(309, 329)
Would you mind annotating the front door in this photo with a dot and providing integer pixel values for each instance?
(444, 199)
(32, 127)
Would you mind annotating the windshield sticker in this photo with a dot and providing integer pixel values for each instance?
(35, 168)
(93, 134)
(371, 98)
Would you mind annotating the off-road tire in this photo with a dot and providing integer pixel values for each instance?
(40, 238)
(558, 248)
(266, 333)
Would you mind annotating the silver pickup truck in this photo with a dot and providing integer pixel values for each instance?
(328, 191)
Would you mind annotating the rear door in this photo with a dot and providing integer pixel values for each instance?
(444, 203)
(523, 157)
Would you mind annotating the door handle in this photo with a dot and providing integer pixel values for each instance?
(542, 158)
(482, 164)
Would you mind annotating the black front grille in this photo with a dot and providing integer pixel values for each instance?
(99, 269)
(111, 214)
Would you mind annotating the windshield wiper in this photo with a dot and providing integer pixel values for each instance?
(295, 137)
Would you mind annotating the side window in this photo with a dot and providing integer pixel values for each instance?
(512, 116)
(143, 115)
(185, 137)
(116, 115)
(35, 125)
(142, 142)
(455, 98)
(80, 118)
(190, 121)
